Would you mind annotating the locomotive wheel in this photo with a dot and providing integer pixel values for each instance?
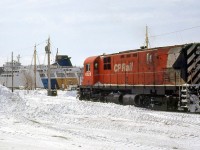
(87, 97)
(80, 98)
(141, 101)
(137, 101)
(185, 109)
(102, 99)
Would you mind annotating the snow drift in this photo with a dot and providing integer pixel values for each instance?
(32, 120)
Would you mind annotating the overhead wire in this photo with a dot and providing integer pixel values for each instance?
(167, 33)
(177, 32)
(40, 43)
(32, 46)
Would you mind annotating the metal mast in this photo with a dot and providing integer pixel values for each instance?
(12, 71)
(49, 71)
(147, 38)
(35, 69)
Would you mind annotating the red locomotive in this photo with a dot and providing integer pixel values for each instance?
(164, 78)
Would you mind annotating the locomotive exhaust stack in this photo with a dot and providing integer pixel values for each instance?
(162, 78)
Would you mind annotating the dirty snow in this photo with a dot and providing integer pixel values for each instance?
(30, 120)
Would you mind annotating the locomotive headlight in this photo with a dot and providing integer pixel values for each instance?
(198, 50)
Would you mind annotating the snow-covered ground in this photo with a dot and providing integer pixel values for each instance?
(30, 120)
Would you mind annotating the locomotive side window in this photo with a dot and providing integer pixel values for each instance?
(135, 55)
(129, 55)
(106, 60)
(107, 63)
(87, 67)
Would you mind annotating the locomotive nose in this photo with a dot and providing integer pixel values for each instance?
(198, 50)
(193, 65)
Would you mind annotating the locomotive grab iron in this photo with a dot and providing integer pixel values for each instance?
(163, 78)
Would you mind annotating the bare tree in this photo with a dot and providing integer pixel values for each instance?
(28, 80)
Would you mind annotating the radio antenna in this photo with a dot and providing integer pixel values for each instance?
(147, 38)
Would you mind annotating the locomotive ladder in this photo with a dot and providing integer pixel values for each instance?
(184, 96)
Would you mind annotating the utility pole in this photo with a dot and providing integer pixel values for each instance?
(147, 38)
(35, 69)
(47, 49)
(12, 71)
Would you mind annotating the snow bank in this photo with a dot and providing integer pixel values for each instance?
(10, 101)
(60, 122)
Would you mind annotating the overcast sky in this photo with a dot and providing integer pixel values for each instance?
(82, 28)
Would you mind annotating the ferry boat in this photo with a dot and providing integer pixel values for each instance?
(15, 75)
(63, 74)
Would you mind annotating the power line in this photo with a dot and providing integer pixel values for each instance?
(163, 34)
(32, 46)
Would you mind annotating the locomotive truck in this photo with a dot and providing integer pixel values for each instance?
(161, 78)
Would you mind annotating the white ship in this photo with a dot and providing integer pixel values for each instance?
(23, 76)
(62, 74)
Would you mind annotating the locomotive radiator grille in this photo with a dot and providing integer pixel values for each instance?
(193, 64)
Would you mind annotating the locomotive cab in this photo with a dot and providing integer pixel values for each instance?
(91, 71)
